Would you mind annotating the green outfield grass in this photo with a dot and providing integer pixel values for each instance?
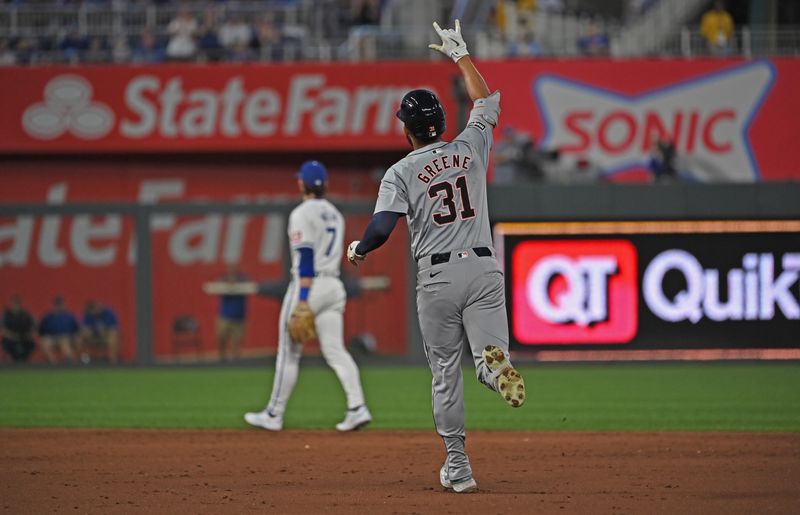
(727, 396)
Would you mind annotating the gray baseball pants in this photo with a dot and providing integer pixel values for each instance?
(462, 298)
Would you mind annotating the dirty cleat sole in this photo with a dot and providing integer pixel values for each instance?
(510, 384)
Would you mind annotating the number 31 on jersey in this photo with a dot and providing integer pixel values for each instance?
(449, 211)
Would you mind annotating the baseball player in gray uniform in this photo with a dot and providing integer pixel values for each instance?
(441, 188)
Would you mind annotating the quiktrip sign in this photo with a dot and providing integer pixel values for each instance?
(650, 286)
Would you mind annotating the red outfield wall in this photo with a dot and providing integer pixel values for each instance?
(84, 257)
(733, 120)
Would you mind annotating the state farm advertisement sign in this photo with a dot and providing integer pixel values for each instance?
(730, 120)
(183, 108)
(655, 291)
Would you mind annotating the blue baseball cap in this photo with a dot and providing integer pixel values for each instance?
(313, 174)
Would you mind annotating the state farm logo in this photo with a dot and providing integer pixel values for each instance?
(68, 107)
(184, 108)
(707, 119)
(574, 292)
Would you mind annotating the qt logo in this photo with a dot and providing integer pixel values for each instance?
(574, 292)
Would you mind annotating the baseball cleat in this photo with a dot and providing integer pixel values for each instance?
(264, 420)
(355, 419)
(466, 486)
(510, 384)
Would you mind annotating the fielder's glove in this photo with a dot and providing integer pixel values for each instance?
(301, 324)
(353, 256)
(453, 45)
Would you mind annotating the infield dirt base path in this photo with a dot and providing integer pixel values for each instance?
(125, 471)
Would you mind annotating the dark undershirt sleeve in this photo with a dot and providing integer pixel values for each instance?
(378, 231)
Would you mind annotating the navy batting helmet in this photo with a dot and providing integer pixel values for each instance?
(423, 114)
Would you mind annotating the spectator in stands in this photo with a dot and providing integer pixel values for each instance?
(182, 31)
(73, 46)
(662, 162)
(44, 50)
(365, 12)
(526, 46)
(121, 51)
(7, 55)
(594, 43)
(25, 51)
(551, 6)
(582, 172)
(499, 17)
(515, 158)
(636, 8)
(232, 315)
(207, 38)
(100, 331)
(95, 51)
(716, 27)
(513, 11)
(525, 12)
(58, 331)
(235, 36)
(17, 331)
(148, 50)
(267, 38)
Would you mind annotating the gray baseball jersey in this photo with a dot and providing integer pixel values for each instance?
(442, 187)
(442, 190)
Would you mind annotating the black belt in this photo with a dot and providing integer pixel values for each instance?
(444, 257)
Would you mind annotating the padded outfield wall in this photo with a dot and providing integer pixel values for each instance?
(176, 134)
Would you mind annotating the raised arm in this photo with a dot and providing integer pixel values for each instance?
(454, 47)
(476, 86)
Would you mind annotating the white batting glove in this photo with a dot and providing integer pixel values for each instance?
(353, 256)
(453, 44)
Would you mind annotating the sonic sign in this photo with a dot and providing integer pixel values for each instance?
(729, 120)
(617, 131)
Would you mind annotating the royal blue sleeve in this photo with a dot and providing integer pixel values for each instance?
(378, 231)
(306, 266)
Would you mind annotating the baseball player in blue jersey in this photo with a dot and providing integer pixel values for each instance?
(316, 236)
(441, 188)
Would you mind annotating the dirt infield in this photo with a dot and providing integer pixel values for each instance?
(104, 471)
